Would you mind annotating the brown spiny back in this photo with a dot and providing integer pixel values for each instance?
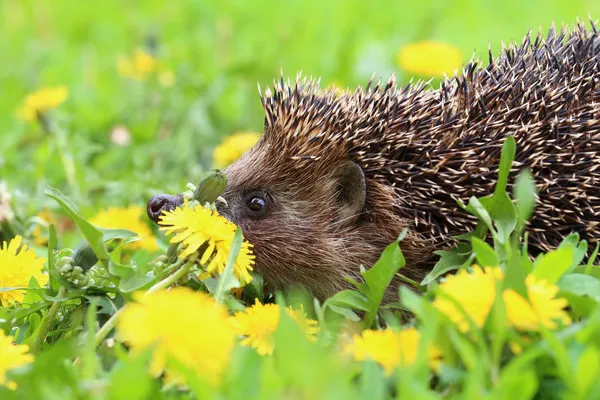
(434, 146)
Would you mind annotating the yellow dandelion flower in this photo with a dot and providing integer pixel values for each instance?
(258, 323)
(389, 348)
(11, 356)
(475, 292)
(41, 101)
(184, 326)
(233, 147)
(130, 218)
(429, 58)
(543, 308)
(193, 227)
(138, 67)
(18, 265)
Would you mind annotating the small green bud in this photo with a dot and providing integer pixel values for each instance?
(65, 269)
(65, 261)
(210, 187)
(84, 256)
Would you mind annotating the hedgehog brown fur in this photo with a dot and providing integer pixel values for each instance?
(419, 151)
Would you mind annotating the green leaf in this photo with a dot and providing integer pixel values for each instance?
(449, 261)
(590, 264)
(485, 254)
(553, 264)
(346, 312)
(372, 381)
(579, 249)
(227, 280)
(480, 211)
(514, 276)
(93, 235)
(504, 215)
(412, 301)
(378, 277)
(349, 298)
(110, 234)
(525, 194)
(381, 274)
(581, 285)
(506, 159)
(129, 378)
(587, 371)
(135, 281)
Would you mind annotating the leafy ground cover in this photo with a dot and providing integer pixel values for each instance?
(106, 104)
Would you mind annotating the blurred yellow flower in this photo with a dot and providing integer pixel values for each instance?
(389, 348)
(183, 326)
(233, 147)
(193, 227)
(46, 218)
(543, 308)
(138, 66)
(258, 323)
(41, 101)
(130, 218)
(11, 356)
(166, 78)
(475, 292)
(429, 58)
(18, 265)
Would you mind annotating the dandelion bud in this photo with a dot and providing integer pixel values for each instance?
(65, 261)
(84, 256)
(210, 187)
(65, 269)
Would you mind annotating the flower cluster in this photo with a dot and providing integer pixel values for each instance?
(197, 227)
(258, 323)
(475, 292)
(18, 264)
(130, 218)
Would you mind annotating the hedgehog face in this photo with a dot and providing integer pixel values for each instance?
(302, 221)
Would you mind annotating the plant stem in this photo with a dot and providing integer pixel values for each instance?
(66, 157)
(47, 321)
(112, 322)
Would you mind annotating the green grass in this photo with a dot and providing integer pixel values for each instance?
(218, 52)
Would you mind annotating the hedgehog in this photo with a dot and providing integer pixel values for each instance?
(337, 176)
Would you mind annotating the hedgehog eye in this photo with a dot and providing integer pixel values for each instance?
(257, 204)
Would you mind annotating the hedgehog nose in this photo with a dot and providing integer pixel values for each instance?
(162, 202)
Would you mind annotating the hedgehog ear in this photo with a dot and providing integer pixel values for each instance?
(353, 191)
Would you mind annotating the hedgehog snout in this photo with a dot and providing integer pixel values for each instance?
(161, 203)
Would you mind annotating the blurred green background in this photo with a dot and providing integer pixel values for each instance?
(210, 56)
